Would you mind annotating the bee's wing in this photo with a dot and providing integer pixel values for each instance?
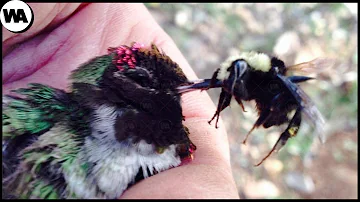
(309, 109)
(317, 65)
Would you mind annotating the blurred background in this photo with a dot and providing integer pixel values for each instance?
(208, 33)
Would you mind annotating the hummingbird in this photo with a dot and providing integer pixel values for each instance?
(120, 121)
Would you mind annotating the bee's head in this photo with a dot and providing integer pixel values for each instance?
(254, 60)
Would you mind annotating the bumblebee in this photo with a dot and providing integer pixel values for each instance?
(278, 97)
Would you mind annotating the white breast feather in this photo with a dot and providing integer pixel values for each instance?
(115, 163)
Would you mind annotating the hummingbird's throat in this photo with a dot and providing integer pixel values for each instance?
(160, 150)
(187, 153)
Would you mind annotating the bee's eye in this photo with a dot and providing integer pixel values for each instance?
(240, 67)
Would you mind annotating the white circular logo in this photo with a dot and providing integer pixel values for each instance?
(16, 16)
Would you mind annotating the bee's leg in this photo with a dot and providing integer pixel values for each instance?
(264, 115)
(224, 101)
(262, 118)
(290, 131)
(213, 80)
(238, 100)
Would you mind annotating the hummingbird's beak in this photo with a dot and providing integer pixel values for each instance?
(298, 79)
(198, 85)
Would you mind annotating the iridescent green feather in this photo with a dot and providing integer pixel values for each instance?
(91, 71)
(43, 190)
(39, 189)
(33, 113)
(48, 113)
(57, 148)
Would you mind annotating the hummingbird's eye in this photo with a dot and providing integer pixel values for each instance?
(138, 74)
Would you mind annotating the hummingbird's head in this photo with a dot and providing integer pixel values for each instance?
(141, 84)
(149, 67)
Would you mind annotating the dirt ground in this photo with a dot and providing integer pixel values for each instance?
(344, 176)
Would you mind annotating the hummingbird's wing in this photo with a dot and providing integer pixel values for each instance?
(48, 167)
(38, 141)
(35, 111)
(25, 118)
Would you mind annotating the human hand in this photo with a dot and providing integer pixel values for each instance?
(64, 36)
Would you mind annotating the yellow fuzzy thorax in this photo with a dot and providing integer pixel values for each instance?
(258, 61)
